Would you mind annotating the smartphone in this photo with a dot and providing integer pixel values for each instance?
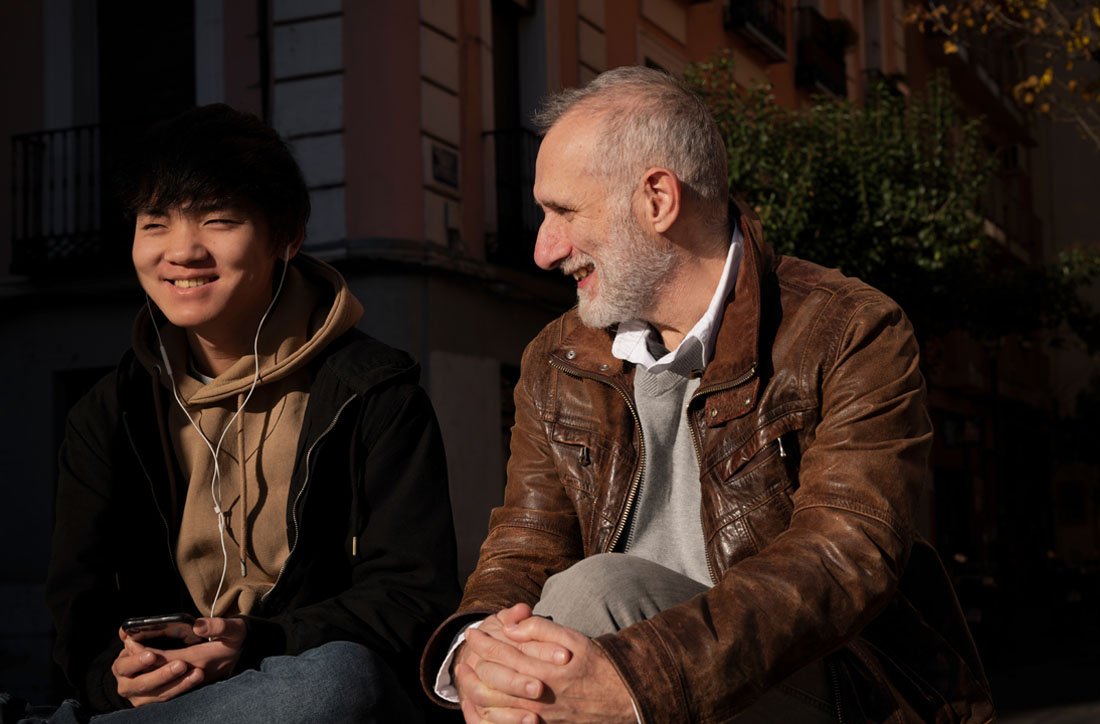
(167, 631)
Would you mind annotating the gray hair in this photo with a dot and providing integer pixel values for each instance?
(650, 118)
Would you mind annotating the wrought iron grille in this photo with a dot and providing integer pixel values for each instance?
(57, 193)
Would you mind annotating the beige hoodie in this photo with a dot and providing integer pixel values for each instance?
(314, 308)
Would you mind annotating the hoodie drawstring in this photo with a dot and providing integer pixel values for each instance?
(242, 463)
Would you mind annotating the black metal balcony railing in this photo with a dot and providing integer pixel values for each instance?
(57, 192)
(762, 22)
(820, 54)
(518, 216)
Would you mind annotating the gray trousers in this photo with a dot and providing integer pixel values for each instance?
(610, 591)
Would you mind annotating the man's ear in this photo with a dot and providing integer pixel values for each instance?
(290, 250)
(661, 193)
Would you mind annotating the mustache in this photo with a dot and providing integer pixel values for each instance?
(575, 263)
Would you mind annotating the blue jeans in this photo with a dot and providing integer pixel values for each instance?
(337, 682)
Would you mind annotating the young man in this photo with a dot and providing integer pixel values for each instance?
(712, 492)
(254, 461)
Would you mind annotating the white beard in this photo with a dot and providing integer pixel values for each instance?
(633, 270)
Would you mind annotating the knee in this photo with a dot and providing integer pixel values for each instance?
(591, 595)
(348, 677)
(602, 576)
(338, 658)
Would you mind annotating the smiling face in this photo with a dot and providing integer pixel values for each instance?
(209, 270)
(591, 232)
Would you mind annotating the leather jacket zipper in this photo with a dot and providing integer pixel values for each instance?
(302, 490)
(636, 482)
(836, 690)
(699, 453)
(152, 489)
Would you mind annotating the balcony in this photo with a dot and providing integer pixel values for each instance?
(57, 202)
(518, 216)
(821, 43)
(762, 22)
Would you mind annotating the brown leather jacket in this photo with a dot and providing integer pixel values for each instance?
(813, 439)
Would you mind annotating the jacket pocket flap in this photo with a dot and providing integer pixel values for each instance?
(740, 452)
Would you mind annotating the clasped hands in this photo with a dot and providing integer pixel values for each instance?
(517, 668)
(146, 674)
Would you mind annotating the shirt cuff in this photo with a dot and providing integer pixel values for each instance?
(444, 686)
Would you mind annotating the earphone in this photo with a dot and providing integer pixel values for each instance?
(215, 480)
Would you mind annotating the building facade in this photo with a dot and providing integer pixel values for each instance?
(411, 123)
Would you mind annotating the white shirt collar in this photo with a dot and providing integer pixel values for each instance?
(633, 338)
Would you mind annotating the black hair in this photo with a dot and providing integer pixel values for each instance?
(217, 156)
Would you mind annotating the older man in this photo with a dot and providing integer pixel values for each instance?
(715, 466)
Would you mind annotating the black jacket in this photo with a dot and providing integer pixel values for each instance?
(369, 473)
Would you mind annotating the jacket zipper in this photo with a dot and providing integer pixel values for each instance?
(152, 490)
(301, 491)
(636, 483)
(836, 690)
(699, 453)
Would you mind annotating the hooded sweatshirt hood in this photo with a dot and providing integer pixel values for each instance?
(232, 529)
(288, 339)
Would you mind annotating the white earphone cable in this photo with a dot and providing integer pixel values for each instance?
(215, 480)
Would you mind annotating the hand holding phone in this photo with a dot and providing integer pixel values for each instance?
(165, 632)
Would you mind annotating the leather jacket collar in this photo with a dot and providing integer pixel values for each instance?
(587, 352)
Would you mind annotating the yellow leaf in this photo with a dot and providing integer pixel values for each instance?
(970, 22)
(1069, 65)
(1031, 81)
(1045, 108)
(1025, 14)
(1096, 16)
(1048, 76)
(1029, 98)
(949, 47)
(1072, 85)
